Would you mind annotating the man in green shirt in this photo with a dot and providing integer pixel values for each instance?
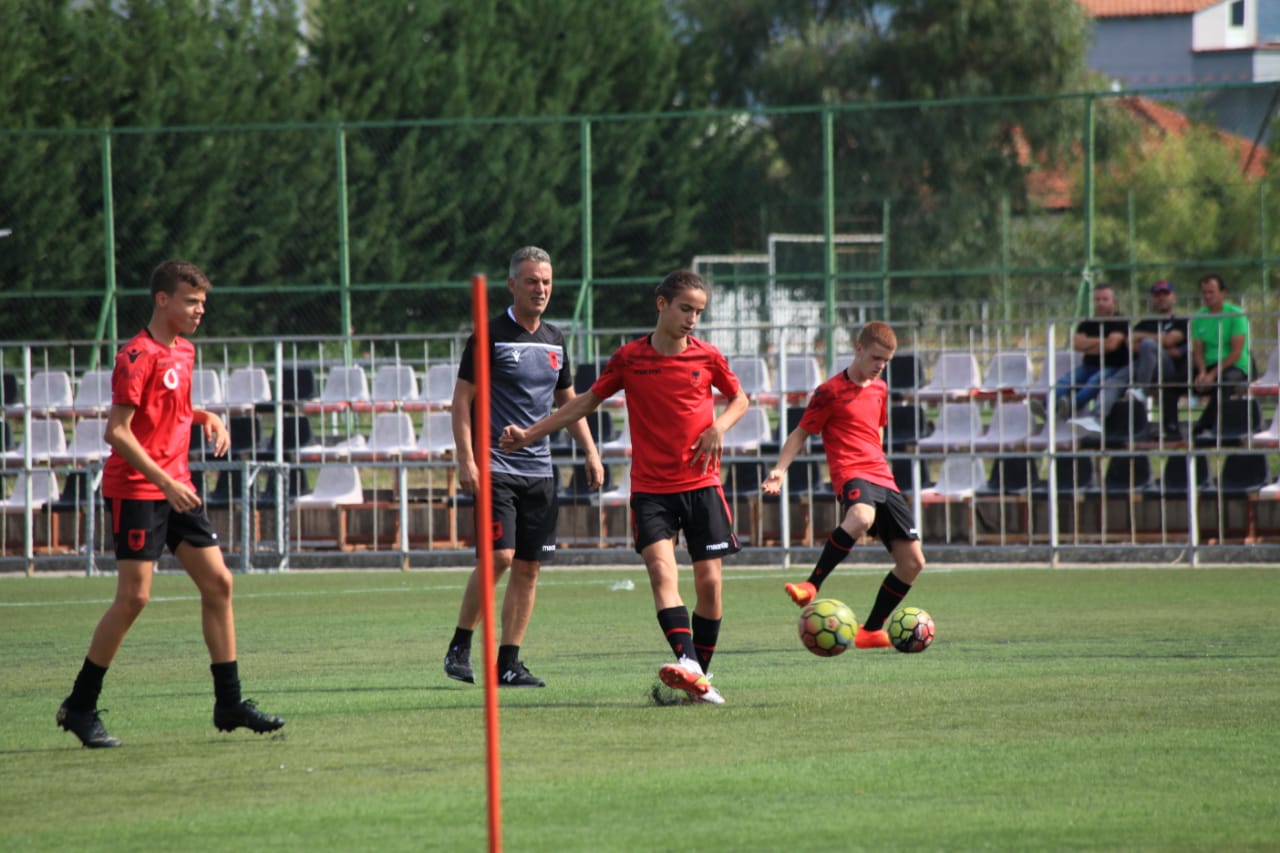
(1219, 349)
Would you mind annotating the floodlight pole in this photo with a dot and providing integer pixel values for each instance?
(484, 553)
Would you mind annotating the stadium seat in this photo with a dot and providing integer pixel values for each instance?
(297, 385)
(959, 426)
(800, 375)
(391, 437)
(907, 424)
(956, 377)
(395, 386)
(49, 392)
(436, 439)
(437, 387)
(46, 439)
(88, 443)
(93, 394)
(44, 488)
(750, 432)
(1238, 419)
(1064, 362)
(206, 390)
(322, 512)
(959, 478)
(1268, 384)
(1010, 428)
(753, 376)
(246, 388)
(344, 388)
(1269, 437)
(1126, 474)
(1012, 475)
(1008, 377)
(619, 445)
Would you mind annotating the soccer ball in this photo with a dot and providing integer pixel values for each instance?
(911, 629)
(827, 627)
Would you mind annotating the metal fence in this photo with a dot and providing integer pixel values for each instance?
(342, 458)
(1004, 208)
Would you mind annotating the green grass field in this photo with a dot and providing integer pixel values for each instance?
(1070, 709)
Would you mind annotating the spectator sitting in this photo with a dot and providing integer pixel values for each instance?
(1219, 350)
(1160, 347)
(1104, 370)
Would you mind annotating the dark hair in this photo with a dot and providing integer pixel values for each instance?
(679, 281)
(1103, 285)
(170, 274)
(1213, 276)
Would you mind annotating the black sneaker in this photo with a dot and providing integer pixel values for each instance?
(515, 675)
(246, 715)
(457, 664)
(86, 725)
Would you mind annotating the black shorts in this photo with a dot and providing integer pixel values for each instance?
(703, 515)
(142, 528)
(893, 516)
(525, 513)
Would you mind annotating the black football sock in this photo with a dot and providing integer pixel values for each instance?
(674, 622)
(461, 639)
(507, 655)
(226, 683)
(838, 546)
(705, 634)
(891, 593)
(88, 686)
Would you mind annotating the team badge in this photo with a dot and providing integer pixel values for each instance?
(137, 539)
(553, 356)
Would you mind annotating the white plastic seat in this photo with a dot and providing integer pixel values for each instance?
(437, 387)
(246, 388)
(47, 439)
(1268, 384)
(88, 443)
(436, 439)
(49, 392)
(753, 375)
(44, 488)
(751, 431)
(955, 377)
(959, 426)
(1269, 437)
(344, 387)
(395, 386)
(206, 389)
(336, 485)
(93, 394)
(800, 375)
(391, 437)
(1010, 428)
(959, 479)
(1008, 375)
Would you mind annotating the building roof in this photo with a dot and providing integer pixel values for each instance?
(1052, 186)
(1143, 8)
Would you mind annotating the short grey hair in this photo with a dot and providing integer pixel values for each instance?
(528, 253)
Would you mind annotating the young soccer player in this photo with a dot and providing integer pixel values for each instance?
(676, 442)
(850, 410)
(153, 504)
(529, 375)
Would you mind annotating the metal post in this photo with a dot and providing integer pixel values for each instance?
(344, 243)
(585, 308)
(828, 235)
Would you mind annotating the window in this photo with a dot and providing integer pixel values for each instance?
(1237, 13)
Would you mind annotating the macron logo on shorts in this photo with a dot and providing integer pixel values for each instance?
(718, 546)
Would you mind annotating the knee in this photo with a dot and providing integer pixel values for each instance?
(217, 588)
(132, 602)
(910, 565)
(526, 570)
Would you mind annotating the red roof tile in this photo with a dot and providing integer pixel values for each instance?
(1142, 8)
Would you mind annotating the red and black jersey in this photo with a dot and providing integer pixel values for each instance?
(849, 417)
(156, 381)
(669, 404)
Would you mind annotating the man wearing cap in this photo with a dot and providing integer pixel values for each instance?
(1160, 346)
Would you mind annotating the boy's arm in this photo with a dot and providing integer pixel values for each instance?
(119, 434)
(790, 450)
(582, 434)
(514, 438)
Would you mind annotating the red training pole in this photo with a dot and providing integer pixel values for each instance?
(484, 553)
